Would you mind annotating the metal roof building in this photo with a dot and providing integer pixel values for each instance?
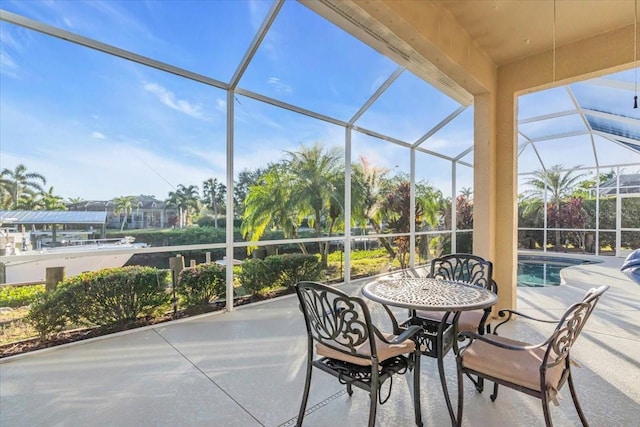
(52, 217)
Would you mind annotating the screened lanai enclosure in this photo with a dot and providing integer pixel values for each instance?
(579, 176)
(268, 130)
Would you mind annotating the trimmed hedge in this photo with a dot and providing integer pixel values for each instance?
(259, 275)
(112, 296)
(200, 284)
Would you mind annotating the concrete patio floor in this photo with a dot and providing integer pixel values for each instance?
(246, 368)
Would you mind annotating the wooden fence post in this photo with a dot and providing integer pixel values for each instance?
(176, 265)
(53, 276)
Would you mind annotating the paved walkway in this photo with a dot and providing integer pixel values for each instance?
(246, 368)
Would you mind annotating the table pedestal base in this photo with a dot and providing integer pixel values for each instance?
(436, 339)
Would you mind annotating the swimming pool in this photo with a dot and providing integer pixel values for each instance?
(534, 270)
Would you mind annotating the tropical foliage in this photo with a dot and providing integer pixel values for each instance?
(213, 196)
(124, 206)
(552, 186)
(305, 187)
(302, 196)
(186, 199)
(21, 189)
(573, 212)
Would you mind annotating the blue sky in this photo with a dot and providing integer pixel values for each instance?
(99, 127)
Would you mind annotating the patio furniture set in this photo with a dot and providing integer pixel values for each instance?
(448, 309)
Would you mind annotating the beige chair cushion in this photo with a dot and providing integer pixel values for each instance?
(385, 351)
(468, 320)
(518, 367)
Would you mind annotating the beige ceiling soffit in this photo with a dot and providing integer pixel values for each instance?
(347, 15)
(577, 61)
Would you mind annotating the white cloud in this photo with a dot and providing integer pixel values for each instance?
(78, 164)
(97, 135)
(221, 105)
(375, 85)
(67, 21)
(257, 12)
(7, 40)
(216, 158)
(7, 66)
(125, 170)
(169, 99)
(451, 146)
(279, 86)
(243, 116)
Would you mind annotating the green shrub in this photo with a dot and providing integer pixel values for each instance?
(368, 254)
(177, 236)
(257, 276)
(299, 267)
(47, 315)
(113, 295)
(206, 221)
(276, 271)
(199, 285)
(18, 296)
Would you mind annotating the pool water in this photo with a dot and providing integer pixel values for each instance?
(536, 271)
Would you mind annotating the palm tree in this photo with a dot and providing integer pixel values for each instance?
(213, 193)
(396, 209)
(466, 192)
(184, 198)
(6, 195)
(45, 200)
(246, 179)
(306, 185)
(367, 184)
(123, 205)
(315, 172)
(190, 199)
(269, 203)
(53, 202)
(19, 181)
(553, 185)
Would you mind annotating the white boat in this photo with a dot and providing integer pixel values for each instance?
(75, 257)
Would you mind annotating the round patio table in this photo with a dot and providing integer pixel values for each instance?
(429, 294)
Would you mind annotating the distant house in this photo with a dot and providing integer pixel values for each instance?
(146, 212)
(629, 184)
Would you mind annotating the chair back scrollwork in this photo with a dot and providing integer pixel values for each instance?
(342, 341)
(464, 268)
(335, 319)
(569, 327)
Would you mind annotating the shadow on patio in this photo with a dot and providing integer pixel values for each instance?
(246, 368)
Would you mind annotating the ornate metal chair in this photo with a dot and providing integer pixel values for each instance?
(438, 332)
(467, 268)
(349, 347)
(538, 370)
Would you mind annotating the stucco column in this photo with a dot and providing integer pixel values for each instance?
(484, 173)
(494, 190)
(506, 196)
